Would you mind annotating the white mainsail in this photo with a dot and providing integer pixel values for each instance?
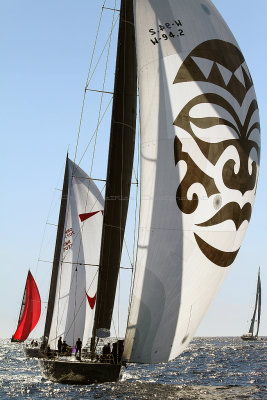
(79, 260)
(200, 140)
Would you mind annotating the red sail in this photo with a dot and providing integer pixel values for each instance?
(30, 310)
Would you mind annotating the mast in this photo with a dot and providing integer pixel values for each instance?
(22, 307)
(58, 245)
(259, 303)
(119, 170)
(23, 299)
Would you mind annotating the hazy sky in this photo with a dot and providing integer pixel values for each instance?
(45, 56)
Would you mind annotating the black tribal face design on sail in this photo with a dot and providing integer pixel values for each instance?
(229, 129)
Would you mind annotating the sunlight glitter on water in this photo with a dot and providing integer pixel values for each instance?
(212, 368)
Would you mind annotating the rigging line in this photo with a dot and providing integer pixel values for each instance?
(70, 194)
(60, 264)
(136, 172)
(68, 210)
(114, 327)
(43, 311)
(111, 32)
(136, 179)
(75, 301)
(122, 119)
(69, 262)
(102, 95)
(75, 159)
(65, 303)
(60, 261)
(76, 237)
(78, 263)
(128, 253)
(119, 305)
(112, 9)
(81, 236)
(99, 91)
(96, 133)
(44, 229)
(137, 188)
(84, 298)
(90, 179)
(59, 296)
(87, 80)
(135, 220)
(96, 129)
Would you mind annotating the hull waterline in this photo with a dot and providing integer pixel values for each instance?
(249, 338)
(16, 340)
(33, 352)
(78, 372)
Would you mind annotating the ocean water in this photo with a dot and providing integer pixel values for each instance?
(211, 368)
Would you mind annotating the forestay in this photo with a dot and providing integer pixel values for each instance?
(200, 139)
(79, 260)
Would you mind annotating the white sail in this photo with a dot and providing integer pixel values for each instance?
(79, 260)
(200, 141)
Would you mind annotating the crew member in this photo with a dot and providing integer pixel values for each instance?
(78, 347)
(59, 344)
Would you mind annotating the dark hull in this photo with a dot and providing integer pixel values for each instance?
(249, 338)
(35, 352)
(32, 352)
(16, 340)
(78, 372)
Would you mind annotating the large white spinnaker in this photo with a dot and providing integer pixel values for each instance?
(79, 260)
(200, 140)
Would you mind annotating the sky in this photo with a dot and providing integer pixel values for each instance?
(46, 50)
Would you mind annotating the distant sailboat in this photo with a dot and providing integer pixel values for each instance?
(30, 310)
(200, 150)
(256, 314)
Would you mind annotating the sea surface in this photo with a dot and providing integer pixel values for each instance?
(212, 368)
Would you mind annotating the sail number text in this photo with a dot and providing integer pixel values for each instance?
(169, 30)
(67, 245)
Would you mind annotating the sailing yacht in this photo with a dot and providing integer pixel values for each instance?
(29, 312)
(200, 151)
(256, 314)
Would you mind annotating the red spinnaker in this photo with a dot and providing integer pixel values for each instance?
(30, 310)
(91, 300)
